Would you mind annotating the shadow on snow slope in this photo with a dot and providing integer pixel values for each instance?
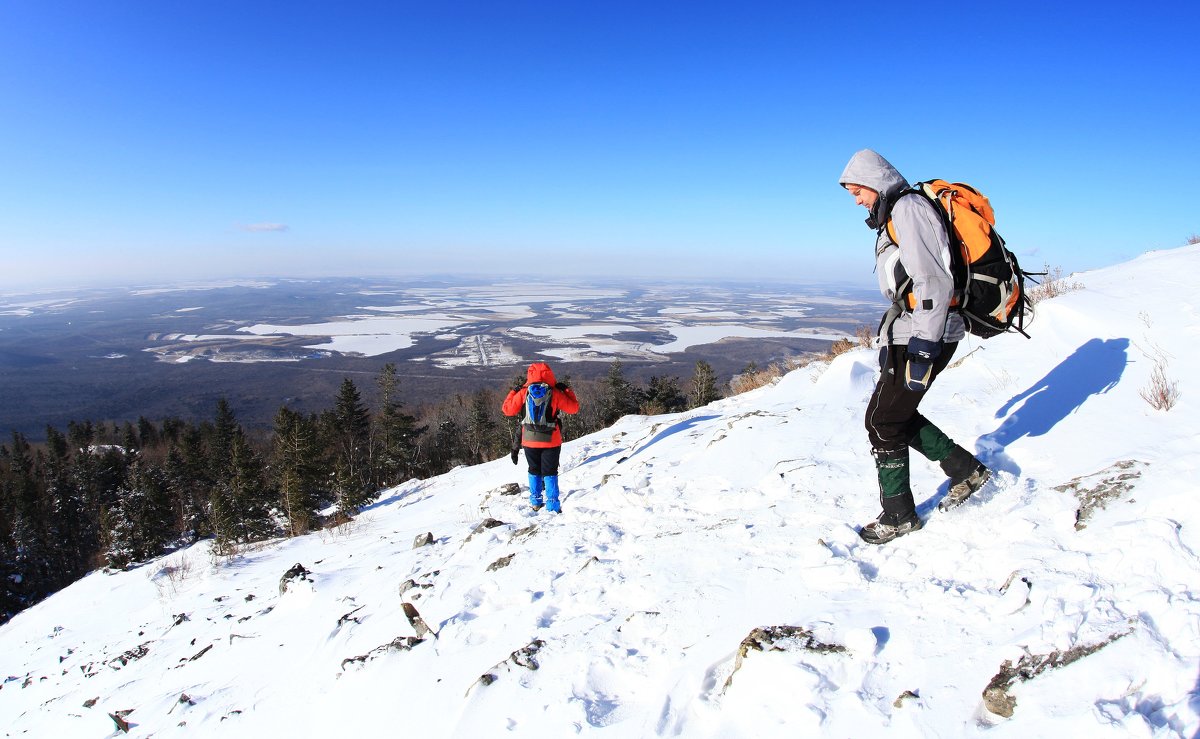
(1094, 368)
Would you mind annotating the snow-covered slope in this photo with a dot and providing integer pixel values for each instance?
(682, 535)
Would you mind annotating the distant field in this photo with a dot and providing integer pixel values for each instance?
(119, 354)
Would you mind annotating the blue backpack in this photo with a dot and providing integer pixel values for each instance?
(539, 421)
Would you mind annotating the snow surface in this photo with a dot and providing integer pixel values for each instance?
(689, 336)
(367, 335)
(682, 534)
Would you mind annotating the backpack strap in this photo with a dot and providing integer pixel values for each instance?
(958, 265)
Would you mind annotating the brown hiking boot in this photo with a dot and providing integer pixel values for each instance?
(965, 488)
(879, 532)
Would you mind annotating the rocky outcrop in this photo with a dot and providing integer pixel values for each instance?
(997, 699)
(423, 540)
(1094, 492)
(297, 573)
(780, 639)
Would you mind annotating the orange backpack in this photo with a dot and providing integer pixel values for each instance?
(989, 285)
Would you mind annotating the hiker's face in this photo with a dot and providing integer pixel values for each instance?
(863, 196)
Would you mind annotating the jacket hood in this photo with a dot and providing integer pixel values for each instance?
(539, 372)
(869, 169)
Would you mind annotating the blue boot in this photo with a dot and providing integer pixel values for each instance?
(552, 503)
(535, 491)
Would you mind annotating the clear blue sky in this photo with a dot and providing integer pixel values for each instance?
(145, 140)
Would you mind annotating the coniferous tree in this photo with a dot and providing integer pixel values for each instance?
(704, 386)
(396, 435)
(171, 429)
(240, 501)
(225, 427)
(662, 396)
(11, 601)
(129, 438)
(187, 482)
(297, 469)
(483, 429)
(350, 431)
(222, 519)
(619, 396)
(72, 525)
(147, 434)
(442, 446)
(252, 497)
(34, 559)
(141, 525)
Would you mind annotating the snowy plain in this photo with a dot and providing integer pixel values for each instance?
(684, 533)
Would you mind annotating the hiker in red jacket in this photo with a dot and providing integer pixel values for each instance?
(538, 401)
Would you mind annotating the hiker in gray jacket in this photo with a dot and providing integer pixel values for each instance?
(917, 338)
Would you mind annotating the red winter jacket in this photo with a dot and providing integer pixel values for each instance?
(561, 401)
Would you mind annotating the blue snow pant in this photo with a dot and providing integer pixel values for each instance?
(543, 476)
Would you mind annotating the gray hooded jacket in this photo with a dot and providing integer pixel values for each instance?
(922, 255)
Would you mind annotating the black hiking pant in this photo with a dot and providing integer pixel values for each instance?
(543, 462)
(892, 419)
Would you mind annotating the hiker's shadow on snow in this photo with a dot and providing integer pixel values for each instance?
(402, 493)
(671, 430)
(1093, 369)
(1194, 702)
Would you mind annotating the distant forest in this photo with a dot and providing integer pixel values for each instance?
(107, 495)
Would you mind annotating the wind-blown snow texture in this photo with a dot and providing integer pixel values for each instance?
(684, 533)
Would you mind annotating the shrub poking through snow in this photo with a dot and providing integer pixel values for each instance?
(1052, 285)
(1162, 393)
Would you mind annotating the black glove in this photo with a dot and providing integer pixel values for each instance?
(516, 388)
(515, 453)
(561, 386)
(918, 369)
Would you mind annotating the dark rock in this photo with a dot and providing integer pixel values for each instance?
(485, 524)
(525, 656)
(1094, 492)
(91, 702)
(422, 540)
(350, 617)
(500, 563)
(415, 620)
(779, 639)
(399, 644)
(118, 718)
(527, 531)
(408, 585)
(199, 654)
(131, 655)
(997, 699)
(296, 572)
(511, 488)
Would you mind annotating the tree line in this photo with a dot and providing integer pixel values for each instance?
(108, 495)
